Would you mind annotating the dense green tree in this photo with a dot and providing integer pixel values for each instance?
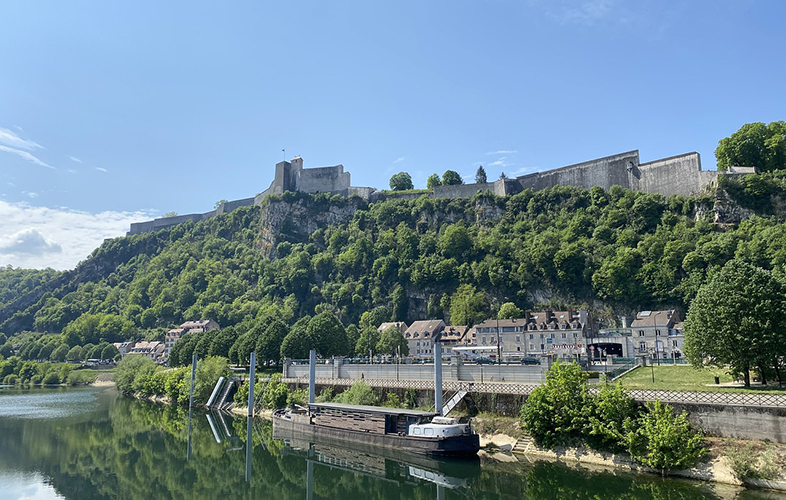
(297, 343)
(366, 344)
(269, 344)
(7, 350)
(109, 352)
(451, 178)
(509, 310)
(391, 340)
(754, 145)
(74, 354)
(327, 335)
(433, 181)
(480, 176)
(738, 320)
(467, 306)
(222, 342)
(401, 182)
(59, 353)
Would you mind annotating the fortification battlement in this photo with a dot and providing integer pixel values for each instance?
(674, 175)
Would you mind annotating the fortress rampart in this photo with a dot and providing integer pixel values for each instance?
(675, 175)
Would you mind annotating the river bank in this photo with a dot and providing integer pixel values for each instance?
(714, 467)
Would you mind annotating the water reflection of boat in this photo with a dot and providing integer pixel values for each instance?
(382, 463)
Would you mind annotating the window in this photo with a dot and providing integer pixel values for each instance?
(642, 347)
(531, 346)
(641, 333)
(674, 343)
(564, 335)
(657, 333)
(518, 339)
(483, 340)
(531, 337)
(518, 348)
(418, 343)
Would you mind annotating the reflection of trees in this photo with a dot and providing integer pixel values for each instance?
(137, 450)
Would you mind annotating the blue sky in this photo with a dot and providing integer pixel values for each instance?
(117, 111)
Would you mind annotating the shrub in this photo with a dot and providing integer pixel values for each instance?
(81, 377)
(52, 378)
(411, 398)
(609, 417)
(298, 397)
(392, 400)
(359, 394)
(325, 396)
(663, 440)
(176, 384)
(276, 393)
(748, 461)
(11, 379)
(208, 371)
(555, 412)
(36, 379)
(128, 369)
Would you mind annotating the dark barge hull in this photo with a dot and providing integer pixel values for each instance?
(454, 446)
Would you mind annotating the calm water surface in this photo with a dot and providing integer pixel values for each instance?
(93, 444)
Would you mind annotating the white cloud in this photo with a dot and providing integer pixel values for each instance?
(28, 241)
(27, 156)
(75, 159)
(9, 138)
(503, 152)
(101, 169)
(76, 233)
(398, 160)
(31, 194)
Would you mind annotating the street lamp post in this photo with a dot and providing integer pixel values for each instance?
(652, 367)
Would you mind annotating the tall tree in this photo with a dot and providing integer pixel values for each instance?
(401, 182)
(433, 181)
(391, 339)
(480, 176)
(754, 145)
(467, 306)
(738, 320)
(451, 178)
(326, 334)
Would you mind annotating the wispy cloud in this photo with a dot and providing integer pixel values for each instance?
(586, 12)
(30, 236)
(503, 152)
(101, 169)
(27, 156)
(9, 138)
(399, 160)
(75, 159)
(31, 194)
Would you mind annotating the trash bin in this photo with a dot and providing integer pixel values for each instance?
(717, 380)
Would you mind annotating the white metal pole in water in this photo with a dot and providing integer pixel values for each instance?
(438, 377)
(251, 379)
(312, 375)
(193, 376)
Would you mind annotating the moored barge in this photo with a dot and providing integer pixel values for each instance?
(396, 428)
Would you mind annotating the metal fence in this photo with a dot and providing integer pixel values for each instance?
(641, 395)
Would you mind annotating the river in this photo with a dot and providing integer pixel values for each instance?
(91, 443)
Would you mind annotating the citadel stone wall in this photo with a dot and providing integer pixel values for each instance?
(676, 175)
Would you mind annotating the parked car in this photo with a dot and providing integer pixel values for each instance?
(529, 360)
(484, 361)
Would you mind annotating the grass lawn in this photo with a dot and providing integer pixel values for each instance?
(686, 378)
